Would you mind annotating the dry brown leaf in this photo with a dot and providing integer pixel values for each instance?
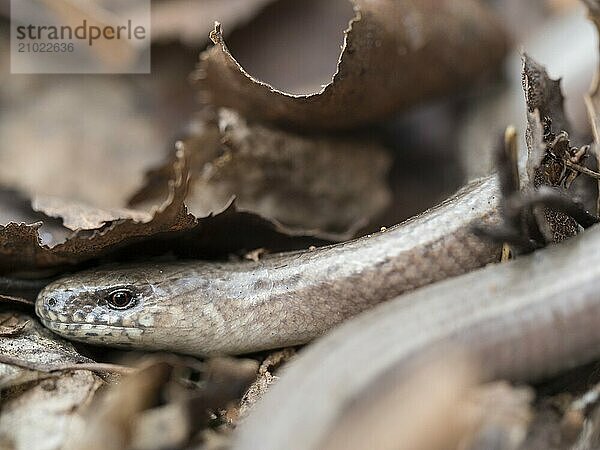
(134, 413)
(21, 248)
(44, 416)
(16, 207)
(98, 157)
(546, 118)
(395, 54)
(119, 233)
(80, 216)
(319, 185)
(544, 94)
(109, 423)
(38, 407)
(548, 144)
(34, 347)
(544, 102)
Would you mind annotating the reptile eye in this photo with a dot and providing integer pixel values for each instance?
(120, 299)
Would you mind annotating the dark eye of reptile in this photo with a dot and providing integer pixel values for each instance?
(120, 299)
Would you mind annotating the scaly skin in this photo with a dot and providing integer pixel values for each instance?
(204, 308)
(522, 321)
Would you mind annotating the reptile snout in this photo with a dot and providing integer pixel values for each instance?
(50, 305)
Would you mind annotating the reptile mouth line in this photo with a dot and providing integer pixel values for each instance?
(87, 329)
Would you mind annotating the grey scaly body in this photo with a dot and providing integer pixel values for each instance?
(287, 299)
(523, 320)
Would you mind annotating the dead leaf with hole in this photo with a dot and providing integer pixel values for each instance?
(325, 186)
(395, 54)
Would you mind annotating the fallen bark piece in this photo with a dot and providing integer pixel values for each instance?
(395, 54)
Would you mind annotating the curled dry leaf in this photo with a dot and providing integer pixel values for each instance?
(116, 234)
(321, 185)
(80, 216)
(21, 248)
(98, 157)
(395, 54)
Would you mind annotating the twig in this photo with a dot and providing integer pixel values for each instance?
(92, 367)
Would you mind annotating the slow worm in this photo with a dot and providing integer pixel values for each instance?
(204, 308)
(523, 320)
